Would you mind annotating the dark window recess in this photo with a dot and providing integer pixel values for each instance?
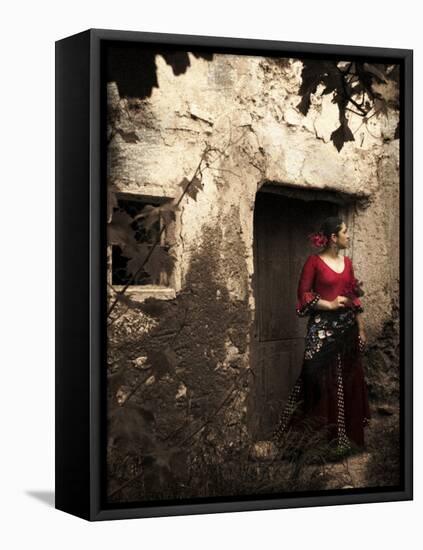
(120, 275)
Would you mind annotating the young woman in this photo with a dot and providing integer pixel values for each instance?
(330, 392)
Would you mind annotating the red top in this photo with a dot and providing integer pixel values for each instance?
(318, 280)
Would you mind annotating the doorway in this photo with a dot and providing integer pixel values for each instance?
(282, 223)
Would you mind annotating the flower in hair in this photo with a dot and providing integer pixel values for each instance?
(318, 240)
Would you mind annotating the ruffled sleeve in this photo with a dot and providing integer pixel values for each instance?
(307, 298)
(356, 302)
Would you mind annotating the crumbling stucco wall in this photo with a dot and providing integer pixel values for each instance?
(245, 107)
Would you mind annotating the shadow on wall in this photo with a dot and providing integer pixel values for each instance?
(383, 361)
(177, 397)
(176, 392)
(133, 67)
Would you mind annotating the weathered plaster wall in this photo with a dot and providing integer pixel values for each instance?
(246, 108)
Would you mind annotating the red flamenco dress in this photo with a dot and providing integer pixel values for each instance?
(331, 392)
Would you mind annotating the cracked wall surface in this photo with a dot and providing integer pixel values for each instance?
(245, 108)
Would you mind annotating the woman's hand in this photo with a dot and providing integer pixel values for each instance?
(341, 302)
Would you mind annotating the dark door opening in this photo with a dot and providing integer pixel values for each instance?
(281, 227)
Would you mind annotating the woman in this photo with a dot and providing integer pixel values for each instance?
(330, 392)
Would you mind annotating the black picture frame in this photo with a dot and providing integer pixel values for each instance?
(80, 282)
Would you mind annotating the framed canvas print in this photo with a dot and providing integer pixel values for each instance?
(233, 274)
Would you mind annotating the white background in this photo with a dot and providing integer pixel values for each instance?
(29, 30)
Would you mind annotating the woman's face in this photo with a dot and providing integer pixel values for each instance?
(343, 238)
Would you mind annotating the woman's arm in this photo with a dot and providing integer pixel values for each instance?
(307, 298)
(324, 304)
(339, 302)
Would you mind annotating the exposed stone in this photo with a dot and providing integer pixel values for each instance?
(182, 392)
(245, 108)
(141, 362)
(263, 450)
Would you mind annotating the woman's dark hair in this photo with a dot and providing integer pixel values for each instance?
(331, 225)
(321, 238)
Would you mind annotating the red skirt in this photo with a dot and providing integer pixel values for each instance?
(330, 393)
